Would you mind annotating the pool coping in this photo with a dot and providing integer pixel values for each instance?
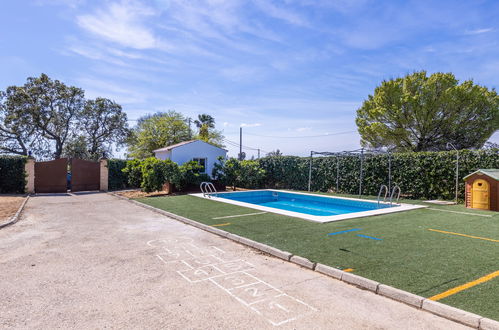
(315, 218)
(442, 310)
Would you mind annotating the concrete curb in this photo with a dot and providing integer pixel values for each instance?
(304, 262)
(488, 324)
(400, 295)
(452, 313)
(329, 271)
(436, 308)
(360, 282)
(16, 216)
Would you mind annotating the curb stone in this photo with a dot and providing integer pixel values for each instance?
(400, 295)
(329, 271)
(360, 281)
(488, 324)
(304, 262)
(442, 310)
(16, 216)
(452, 313)
(276, 252)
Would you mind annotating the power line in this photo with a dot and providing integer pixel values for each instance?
(235, 144)
(300, 137)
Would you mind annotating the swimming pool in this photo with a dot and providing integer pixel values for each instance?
(318, 208)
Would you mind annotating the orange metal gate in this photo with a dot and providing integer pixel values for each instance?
(85, 175)
(51, 176)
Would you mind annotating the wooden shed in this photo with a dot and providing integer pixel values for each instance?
(482, 189)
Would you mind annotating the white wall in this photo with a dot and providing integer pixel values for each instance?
(197, 149)
(163, 155)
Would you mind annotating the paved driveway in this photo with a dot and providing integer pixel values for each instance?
(95, 261)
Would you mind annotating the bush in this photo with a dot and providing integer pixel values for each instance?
(12, 175)
(189, 176)
(420, 175)
(156, 172)
(246, 173)
(133, 173)
(117, 178)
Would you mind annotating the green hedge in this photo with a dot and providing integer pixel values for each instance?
(150, 174)
(422, 175)
(12, 175)
(117, 179)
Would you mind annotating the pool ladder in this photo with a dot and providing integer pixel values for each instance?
(207, 188)
(384, 188)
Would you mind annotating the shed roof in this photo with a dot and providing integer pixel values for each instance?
(492, 172)
(173, 146)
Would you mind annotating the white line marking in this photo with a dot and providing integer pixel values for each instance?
(478, 215)
(238, 215)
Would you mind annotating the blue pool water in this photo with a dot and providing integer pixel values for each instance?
(308, 204)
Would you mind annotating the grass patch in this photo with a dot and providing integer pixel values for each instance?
(409, 256)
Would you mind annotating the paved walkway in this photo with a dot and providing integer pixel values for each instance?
(95, 261)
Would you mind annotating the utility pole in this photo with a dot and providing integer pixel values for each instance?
(240, 143)
(258, 153)
(190, 131)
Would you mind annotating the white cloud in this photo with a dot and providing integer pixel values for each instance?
(303, 129)
(122, 23)
(478, 31)
(251, 125)
(281, 13)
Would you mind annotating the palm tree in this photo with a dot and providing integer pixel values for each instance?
(205, 119)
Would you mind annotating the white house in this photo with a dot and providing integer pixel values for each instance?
(202, 152)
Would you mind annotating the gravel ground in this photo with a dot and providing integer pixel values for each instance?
(87, 261)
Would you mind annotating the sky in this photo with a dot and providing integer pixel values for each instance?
(292, 73)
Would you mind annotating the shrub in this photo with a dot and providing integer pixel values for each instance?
(227, 171)
(12, 175)
(427, 175)
(156, 172)
(189, 176)
(133, 173)
(232, 172)
(117, 178)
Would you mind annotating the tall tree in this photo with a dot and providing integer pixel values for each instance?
(102, 123)
(424, 113)
(205, 119)
(18, 134)
(157, 131)
(51, 106)
(207, 131)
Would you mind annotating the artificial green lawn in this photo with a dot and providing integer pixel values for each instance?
(409, 256)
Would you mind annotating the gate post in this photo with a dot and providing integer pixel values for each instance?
(104, 174)
(29, 169)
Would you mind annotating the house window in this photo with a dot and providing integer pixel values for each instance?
(202, 162)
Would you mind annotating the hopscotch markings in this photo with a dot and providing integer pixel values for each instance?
(236, 280)
(255, 293)
(168, 241)
(235, 266)
(232, 276)
(282, 309)
(238, 215)
(200, 274)
(203, 261)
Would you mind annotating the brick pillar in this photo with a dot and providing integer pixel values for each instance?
(29, 169)
(104, 174)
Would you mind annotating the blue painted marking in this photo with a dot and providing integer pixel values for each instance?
(370, 237)
(343, 231)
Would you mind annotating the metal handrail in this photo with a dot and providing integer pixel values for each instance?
(380, 191)
(207, 188)
(393, 193)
